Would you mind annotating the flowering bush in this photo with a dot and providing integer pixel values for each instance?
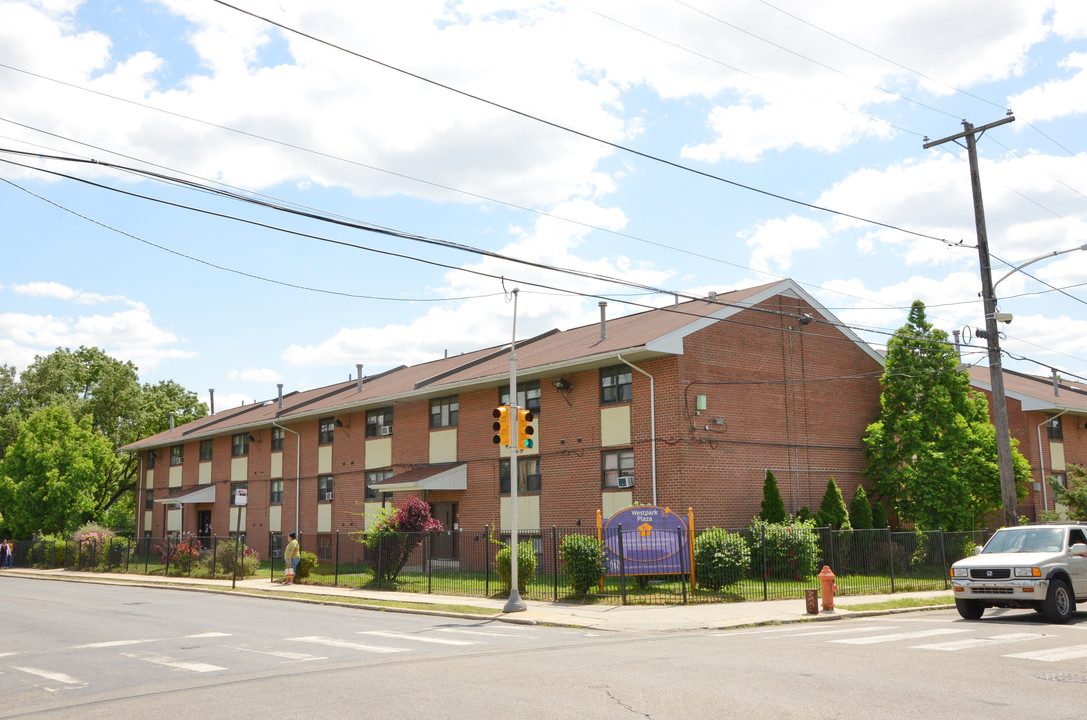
(181, 556)
(93, 541)
(396, 535)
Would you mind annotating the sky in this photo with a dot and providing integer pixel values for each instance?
(237, 195)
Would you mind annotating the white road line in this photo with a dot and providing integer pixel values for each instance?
(171, 662)
(8, 654)
(54, 676)
(280, 653)
(332, 642)
(840, 632)
(1056, 654)
(981, 642)
(208, 635)
(110, 643)
(898, 636)
(416, 638)
(486, 633)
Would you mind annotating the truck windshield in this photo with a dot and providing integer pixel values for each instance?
(1025, 540)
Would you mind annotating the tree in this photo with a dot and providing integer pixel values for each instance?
(773, 507)
(879, 515)
(51, 480)
(860, 512)
(1075, 495)
(90, 384)
(932, 451)
(395, 536)
(833, 511)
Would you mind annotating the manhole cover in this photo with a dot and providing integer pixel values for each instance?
(1064, 677)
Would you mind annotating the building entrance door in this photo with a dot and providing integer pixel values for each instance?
(446, 543)
(203, 523)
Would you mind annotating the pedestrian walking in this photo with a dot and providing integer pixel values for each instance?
(291, 555)
(6, 553)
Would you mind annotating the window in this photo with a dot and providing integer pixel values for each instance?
(379, 422)
(1075, 535)
(1054, 429)
(373, 476)
(205, 450)
(326, 431)
(615, 385)
(149, 499)
(443, 412)
(324, 547)
(177, 454)
(1060, 477)
(324, 488)
(234, 488)
(150, 459)
(528, 475)
(276, 495)
(239, 445)
(277, 439)
(617, 464)
(528, 396)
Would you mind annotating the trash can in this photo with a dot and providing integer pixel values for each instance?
(811, 600)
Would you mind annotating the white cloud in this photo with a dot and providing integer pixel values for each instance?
(266, 376)
(58, 291)
(1055, 98)
(775, 241)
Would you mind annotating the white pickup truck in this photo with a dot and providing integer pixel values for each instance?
(1039, 566)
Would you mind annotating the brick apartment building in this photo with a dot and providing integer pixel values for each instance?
(683, 406)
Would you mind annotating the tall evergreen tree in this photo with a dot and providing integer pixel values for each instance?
(773, 507)
(832, 511)
(860, 512)
(932, 451)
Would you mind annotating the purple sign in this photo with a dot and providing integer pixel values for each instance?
(652, 541)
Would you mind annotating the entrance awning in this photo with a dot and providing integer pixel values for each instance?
(428, 477)
(205, 494)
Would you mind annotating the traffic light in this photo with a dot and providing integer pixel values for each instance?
(501, 425)
(524, 429)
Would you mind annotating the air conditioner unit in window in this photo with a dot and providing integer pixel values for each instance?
(386, 430)
(328, 495)
(624, 481)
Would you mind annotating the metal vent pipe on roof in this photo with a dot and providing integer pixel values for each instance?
(358, 371)
(603, 321)
(279, 386)
(211, 393)
(171, 421)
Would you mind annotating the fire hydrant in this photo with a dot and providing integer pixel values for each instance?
(826, 576)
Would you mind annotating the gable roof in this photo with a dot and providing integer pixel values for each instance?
(651, 333)
(1036, 393)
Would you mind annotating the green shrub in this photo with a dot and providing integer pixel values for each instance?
(773, 507)
(584, 560)
(720, 558)
(879, 516)
(225, 554)
(791, 551)
(47, 552)
(860, 512)
(526, 565)
(833, 511)
(306, 563)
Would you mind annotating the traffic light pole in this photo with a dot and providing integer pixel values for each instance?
(992, 332)
(515, 603)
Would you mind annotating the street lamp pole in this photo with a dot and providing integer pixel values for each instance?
(988, 296)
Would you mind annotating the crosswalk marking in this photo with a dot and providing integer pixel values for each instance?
(1054, 655)
(487, 633)
(898, 636)
(981, 642)
(110, 643)
(208, 635)
(415, 638)
(285, 654)
(333, 642)
(841, 632)
(54, 676)
(171, 662)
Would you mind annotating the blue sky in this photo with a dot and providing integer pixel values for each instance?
(824, 104)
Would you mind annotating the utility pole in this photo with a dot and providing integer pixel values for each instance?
(992, 333)
(514, 603)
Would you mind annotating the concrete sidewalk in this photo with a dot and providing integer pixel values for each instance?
(639, 618)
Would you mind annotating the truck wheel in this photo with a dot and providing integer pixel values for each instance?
(969, 609)
(1058, 602)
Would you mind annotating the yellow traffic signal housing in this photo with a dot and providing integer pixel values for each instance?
(501, 425)
(525, 429)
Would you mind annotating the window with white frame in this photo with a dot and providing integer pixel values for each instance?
(277, 439)
(275, 496)
(239, 445)
(615, 385)
(1054, 429)
(379, 422)
(528, 396)
(324, 488)
(443, 412)
(177, 454)
(206, 450)
(373, 476)
(326, 431)
(617, 464)
(528, 475)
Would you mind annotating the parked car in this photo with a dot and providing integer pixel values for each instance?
(1040, 566)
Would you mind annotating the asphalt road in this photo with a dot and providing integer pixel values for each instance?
(71, 650)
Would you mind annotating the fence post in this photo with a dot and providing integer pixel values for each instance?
(189, 560)
(622, 569)
(682, 561)
(943, 558)
(428, 559)
(765, 567)
(487, 560)
(169, 554)
(336, 562)
(891, 558)
(555, 562)
(377, 574)
(147, 554)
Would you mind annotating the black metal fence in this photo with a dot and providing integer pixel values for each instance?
(755, 563)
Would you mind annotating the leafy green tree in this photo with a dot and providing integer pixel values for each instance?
(932, 451)
(1075, 495)
(860, 512)
(773, 507)
(879, 516)
(51, 480)
(833, 511)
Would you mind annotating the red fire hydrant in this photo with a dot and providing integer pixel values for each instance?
(826, 576)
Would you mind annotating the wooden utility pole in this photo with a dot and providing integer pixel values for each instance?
(992, 333)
